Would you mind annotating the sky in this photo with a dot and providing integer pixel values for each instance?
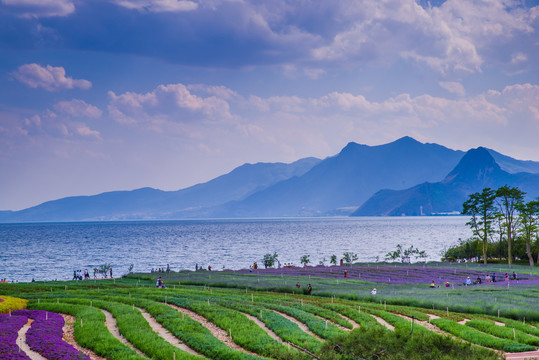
(103, 95)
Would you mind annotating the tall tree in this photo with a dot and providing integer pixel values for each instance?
(480, 206)
(508, 199)
(528, 224)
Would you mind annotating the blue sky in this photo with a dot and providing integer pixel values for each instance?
(100, 95)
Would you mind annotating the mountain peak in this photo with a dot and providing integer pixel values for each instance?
(474, 166)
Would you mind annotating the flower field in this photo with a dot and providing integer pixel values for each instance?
(215, 320)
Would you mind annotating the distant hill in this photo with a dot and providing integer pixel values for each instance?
(148, 203)
(354, 181)
(476, 170)
(339, 184)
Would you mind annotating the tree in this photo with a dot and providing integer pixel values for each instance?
(333, 259)
(528, 224)
(508, 198)
(480, 206)
(349, 257)
(305, 259)
(270, 259)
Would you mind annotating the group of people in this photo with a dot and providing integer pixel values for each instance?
(161, 270)
(309, 288)
(80, 274)
(200, 267)
(488, 278)
(160, 283)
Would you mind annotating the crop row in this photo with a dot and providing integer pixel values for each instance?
(11, 304)
(480, 338)
(503, 332)
(9, 328)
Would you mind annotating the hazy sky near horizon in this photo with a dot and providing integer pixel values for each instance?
(101, 95)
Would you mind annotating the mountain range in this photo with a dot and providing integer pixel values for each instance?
(404, 177)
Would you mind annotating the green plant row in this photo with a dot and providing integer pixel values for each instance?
(138, 331)
(477, 337)
(324, 313)
(399, 322)
(503, 332)
(243, 331)
(354, 313)
(186, 329)
(521, 326)
(92, 333)
(11, 303)
(284, 328)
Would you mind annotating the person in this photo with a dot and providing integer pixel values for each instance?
(447, 284)
(309, 289)
(278, 264)
(74, 274)
(373, 291)
(159, 283)
(514, 276)
(196, 267)
(265, 264)
(168, 268)
(468, 281)
(342, 262)
(487, 278)
(298, 285)
(209, 267)
(506, 277)
(110, 273)
(432, 284)
(479, 279)
(250, 268)
(493, 277)
(345, 273)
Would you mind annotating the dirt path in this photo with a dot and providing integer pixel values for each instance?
(426, 324)
(69, 338)
(265, 328)
(216, 331)
(332, 323)
(301, 325)
(354, 324)
(165, 334)
(1, 300)
(21, 341)
(463, 322)
(111, 324)
(530, 355)
(499, 323)
(383, 322)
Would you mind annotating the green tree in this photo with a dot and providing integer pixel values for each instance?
(270, 259)
(305, 259)
(333, 259)
(508, 199)
(528, 224)
(480, 206)
(349, 257)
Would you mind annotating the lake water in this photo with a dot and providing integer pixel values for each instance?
(47, 251)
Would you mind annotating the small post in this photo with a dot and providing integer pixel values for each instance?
(230, 332)
(326, 324)
(114, 281)
(182, 315)
(165, 299)
(66, 287)
(91, 303)
(174, 357)
(447, 311)
(133, 307)
(524, 320)
(412, 332)
(46, 315)
(514, 334)
(252, 298)
(385, 305)
(38, 300)
(10, 312)
(498, 313)
(57, 300)
(208, 301)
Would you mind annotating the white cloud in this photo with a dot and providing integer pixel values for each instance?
(49, 78)
(40, 8)
(77, 108)
(158, 5)
(84, 130)
(453, 87)
(173, 103)
(456, 36)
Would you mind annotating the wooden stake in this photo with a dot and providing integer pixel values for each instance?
(447, 311)
(498, 313)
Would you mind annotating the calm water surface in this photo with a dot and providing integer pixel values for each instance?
(53, 250)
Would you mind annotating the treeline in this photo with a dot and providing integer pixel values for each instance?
(503, 226)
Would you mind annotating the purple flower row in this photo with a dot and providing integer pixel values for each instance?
(9, 328)
(45, 336)
(400, 275)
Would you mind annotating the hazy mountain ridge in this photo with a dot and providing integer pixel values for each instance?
(360, 179)
(476, 170)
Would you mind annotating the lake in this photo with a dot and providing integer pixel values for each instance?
(47, 251)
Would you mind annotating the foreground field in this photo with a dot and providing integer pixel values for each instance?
(220, 315)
